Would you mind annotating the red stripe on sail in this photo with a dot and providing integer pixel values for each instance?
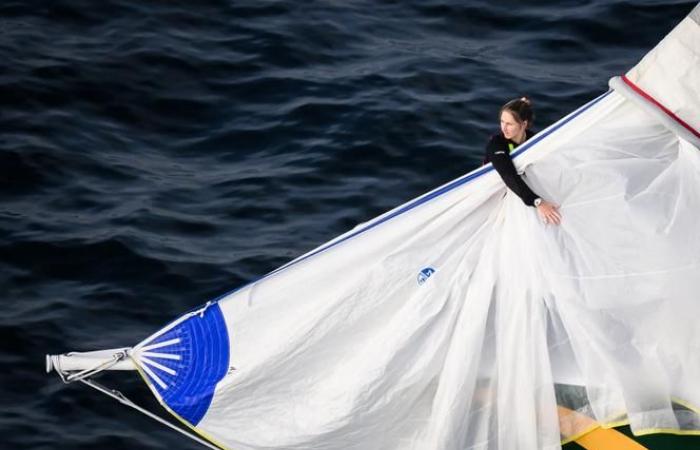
(651, 99)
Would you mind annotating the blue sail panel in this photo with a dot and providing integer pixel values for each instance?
(185, 363)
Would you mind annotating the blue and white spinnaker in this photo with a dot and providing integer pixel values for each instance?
(458, 320)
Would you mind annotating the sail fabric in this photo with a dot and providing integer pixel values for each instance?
(459, 320)
(674, 62)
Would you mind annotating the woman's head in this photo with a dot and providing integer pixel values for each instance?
(516, 116)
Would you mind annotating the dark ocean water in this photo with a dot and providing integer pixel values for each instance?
(155, 155)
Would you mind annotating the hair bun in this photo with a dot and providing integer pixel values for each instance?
(526, 100)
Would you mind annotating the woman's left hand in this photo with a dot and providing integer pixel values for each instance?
(549, 213)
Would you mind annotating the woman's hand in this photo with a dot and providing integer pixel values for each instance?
(549, 213)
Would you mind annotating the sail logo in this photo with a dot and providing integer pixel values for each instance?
(424, 274)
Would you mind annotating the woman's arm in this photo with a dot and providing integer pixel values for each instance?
(506, 169)
(501, 161)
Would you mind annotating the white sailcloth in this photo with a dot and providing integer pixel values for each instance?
(459, 320)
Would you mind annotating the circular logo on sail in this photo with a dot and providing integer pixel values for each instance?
(424, 274)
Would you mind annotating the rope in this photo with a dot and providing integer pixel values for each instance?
(84, 375)
(125, 401)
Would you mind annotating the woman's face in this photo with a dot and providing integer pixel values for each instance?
(510, 127)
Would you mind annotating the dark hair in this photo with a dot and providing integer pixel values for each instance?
(521, 108)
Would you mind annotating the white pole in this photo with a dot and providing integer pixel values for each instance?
(78, 361)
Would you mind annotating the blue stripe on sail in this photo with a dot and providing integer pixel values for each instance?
(456, 183)
(436, 193)
(202, 344)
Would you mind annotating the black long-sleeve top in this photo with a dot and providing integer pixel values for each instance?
(498, 153)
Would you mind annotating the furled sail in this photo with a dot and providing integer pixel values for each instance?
(458, 320)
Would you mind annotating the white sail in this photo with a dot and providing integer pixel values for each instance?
(459, 320)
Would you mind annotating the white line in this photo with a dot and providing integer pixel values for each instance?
(161, 344)
(162, 355)
(158, 366)
(154, 377)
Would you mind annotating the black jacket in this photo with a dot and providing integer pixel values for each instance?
(498, 153)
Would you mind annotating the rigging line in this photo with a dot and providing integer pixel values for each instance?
(92, 371)
(118, 396)
(144, 345)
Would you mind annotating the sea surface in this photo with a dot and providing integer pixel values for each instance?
(155, 155)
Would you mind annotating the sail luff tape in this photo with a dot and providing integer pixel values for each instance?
(625, 87)
(658, 104)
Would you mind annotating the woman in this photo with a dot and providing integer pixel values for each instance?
(516, 117)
